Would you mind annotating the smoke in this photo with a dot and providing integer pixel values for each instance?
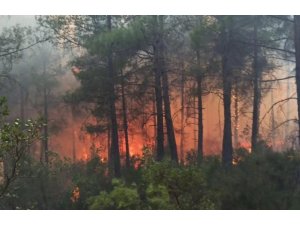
(69, 138)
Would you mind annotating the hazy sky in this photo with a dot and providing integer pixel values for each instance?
(6, 21)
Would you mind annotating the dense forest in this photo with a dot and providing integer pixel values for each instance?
(149, 112)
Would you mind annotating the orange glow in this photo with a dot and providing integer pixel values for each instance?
(75, 70)
(141, 129)
(85, 155)
(75, 194)
(246, 145)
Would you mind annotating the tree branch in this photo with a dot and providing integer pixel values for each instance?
(22, 49)
(276, 103)
(278, 79)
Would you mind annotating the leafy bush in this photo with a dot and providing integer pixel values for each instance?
(121, 197)
(266, 180)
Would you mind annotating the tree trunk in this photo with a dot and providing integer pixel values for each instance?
(45, 139)
(22, 104)
(112, 108)
(125, 124)
(109, 153)
(227, 149)
(273, 136)
(169, 121)
(166, 96)
(227, 88)
(256, 95)
(297, 56)
(288, 109)
(73, 135)
(195, 121)
(200, 112)
(227, 133)
(154, 122)
(182, 116)
(158, 100)
(236, 117)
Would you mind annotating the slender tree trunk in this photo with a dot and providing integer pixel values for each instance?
(273, 136)
(109, 153)
(154, 122)
(256, 95)
(125, 124)
(113, 116)
(297, 56)
(169, 121)
(22, 104)
(73, 135)
(227, 88)
(236, 116)
(45, 139)
(195, 121)
(182, 116)
(287, 126)
(200, 112)
(158, 100)
(166, 96)
(227, 133)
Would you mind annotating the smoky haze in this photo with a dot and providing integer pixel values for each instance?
(47, 67)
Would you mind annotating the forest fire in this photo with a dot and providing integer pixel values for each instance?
(75, 195)
(84, 154)
(150, 112)
(246, 145)
(140, 137)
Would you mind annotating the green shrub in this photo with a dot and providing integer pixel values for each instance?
(121, 197)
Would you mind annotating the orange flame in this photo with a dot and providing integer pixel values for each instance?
(75, 194)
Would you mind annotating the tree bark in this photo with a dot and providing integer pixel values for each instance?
(227, 133)
(73, 134)
(109, 153)
(227, 88)
(154, 121)
(45, 138)
(273, 136)
(297, 56)
(22, 104)
(112, 108)
(195, 122)
(182, 116)
(256, 94)
(169, 121)
(236, 117)
(125, 123)
(200, 112)
(158, 99)
(166, 96)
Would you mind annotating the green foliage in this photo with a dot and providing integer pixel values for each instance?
(158, 197)
(186, 186)
(121, 197)
(162, 185)
(204, 34)
(3, 108)
(267, 180)
(17, 136)
(91, 178)
(40, 187)
(264, 180)
(12, 41)
(121, 40)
